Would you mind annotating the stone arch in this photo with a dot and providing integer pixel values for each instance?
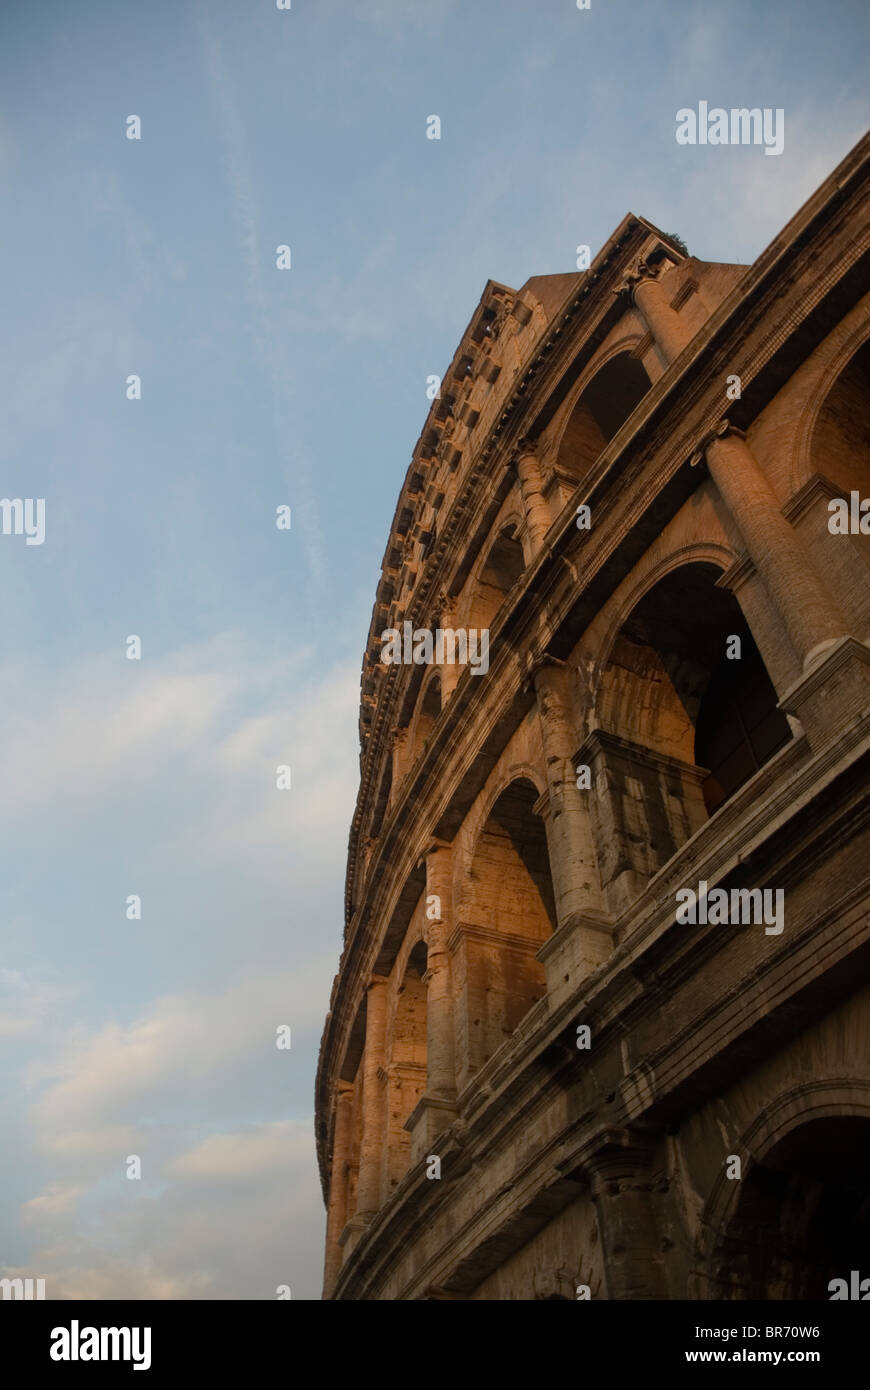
(801, 1208)
(406, 1060)
(839, 444)
(426, 715)
(511, 521)
(845, 345)
(668, 696)
(494, 577)
(605, 399)
(516, 772)
(839, 455)
(711, 553)
(507, 913)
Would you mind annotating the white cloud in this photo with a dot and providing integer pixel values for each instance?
(246, 1155)
(26, 1003)
(158, 1087)
(180, 1054)
(239, 1214)
(56, 1201)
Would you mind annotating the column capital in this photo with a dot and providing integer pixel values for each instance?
(537, 663)
(433, 846)
(721, 430)
(374, 981)
(640, 270)
(524, 448)
(526, 465)
(619, 1150)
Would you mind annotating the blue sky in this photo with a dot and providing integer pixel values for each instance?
(263, 387)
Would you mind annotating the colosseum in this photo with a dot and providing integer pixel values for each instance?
(599, 1028)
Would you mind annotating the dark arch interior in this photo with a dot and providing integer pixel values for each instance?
(507, 891)
(504, 563)
(431, 706)
(417, 960)
(739, 726)
(513, 821)
(503, 567)
(606, 403)
(615, 391)
(688, 623)
(841, 436)
(803, 1218)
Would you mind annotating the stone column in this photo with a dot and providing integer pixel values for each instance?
(810, 614)
(449, 671)
(671, 332)
(399, 746)
(807, 609)
(573, 863)
(440, 1066)
(834, 689)
(535, 508)
(338, 1213)
(622, 1192)
(436, 1108)
(368, 1196)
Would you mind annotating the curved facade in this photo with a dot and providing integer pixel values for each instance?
(601, 1023)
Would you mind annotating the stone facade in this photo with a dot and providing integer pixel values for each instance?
(521, 836)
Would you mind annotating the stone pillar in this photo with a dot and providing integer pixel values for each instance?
(807, 609)
(621, 1187)
(338, 1213)
(535, 508)
(399, 746)
(436, 1109)
(440, 1067)
(573, 863)
(670, 332)
(449, 671)
(368, 1195)
(810, 614)
(834, 690)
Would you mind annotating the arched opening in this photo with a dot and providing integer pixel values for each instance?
(738, 727)
(602, 409)
(406, 1067)
(840, 453)
(840, 446)
(687, 715)
(802, 1217)
(427, 714)
(503, 566)
(508, 912)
